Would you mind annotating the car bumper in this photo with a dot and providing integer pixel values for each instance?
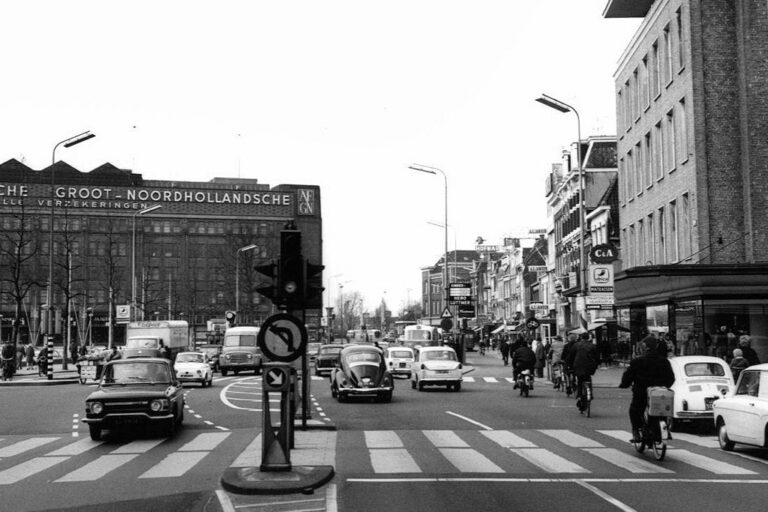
(365, 391)
(693, 415)
(135, 418)
(440, 378)
(192, 379)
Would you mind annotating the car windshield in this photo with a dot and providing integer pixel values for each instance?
(330, 350)
(704, 370)
(359, 357)
(439, 355)
(136, 372)
(750, 383)
(400, 353)
(240, 340)
(190, 358)
(141, 343)
(419, 335)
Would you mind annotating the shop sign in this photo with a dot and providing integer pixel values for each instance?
(603, 253)
(601, 278)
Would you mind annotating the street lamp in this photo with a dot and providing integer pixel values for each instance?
(455, 248)
(68, 143)
(565, 108)
(237, 274)
(435, 170)
(133, 257)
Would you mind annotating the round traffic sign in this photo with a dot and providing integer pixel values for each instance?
(282, 337)
(446, 324)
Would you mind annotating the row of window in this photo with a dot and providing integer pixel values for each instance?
(74, 224)
(661, 237)
(656, 154)
(655, 72)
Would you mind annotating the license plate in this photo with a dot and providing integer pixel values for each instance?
(442, 371)
(708, 403)
(402, 365)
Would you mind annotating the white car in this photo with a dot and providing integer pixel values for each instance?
(699, 382)
(399, 360)
(742, 416)
(193, 367)
(435, 366)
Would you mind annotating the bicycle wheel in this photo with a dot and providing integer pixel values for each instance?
(660, 439)
(639, 445)
(588, 394)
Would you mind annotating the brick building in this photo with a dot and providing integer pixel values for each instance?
(692, 116)
(186, 251)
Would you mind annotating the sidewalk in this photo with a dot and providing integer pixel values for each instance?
(29, 377)
(609, 377)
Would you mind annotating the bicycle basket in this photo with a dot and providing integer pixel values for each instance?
(660, 401)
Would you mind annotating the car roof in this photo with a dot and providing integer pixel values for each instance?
(333, 345)
(362, 348)
(432, 349)
(682, 360)
(196, 353)
(398, 347)
(761, 367)
(141, 360)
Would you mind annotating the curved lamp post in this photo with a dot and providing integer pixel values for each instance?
(133, 257)
(237, 274)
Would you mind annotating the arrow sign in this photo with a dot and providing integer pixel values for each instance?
(275, 379)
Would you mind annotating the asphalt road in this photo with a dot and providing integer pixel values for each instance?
(484, 448)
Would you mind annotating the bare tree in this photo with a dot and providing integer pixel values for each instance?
(111, 257)
(68, 276)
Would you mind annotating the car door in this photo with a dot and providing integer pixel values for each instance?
(741, 414)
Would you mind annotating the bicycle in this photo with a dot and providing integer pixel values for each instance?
(584, 400)
(654, 431)
(558, 379)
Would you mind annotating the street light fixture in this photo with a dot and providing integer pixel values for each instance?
(68, 143)
(133, 257)
(237, 274)
(434, 170)
(565, 108)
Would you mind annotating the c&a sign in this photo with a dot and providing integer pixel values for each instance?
(603, 253)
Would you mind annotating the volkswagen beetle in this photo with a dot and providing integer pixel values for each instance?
(361, 372)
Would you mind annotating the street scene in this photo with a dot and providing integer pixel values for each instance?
(354, 256)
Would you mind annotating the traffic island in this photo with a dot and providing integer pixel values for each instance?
(300, 479)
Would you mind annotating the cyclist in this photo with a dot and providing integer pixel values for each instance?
(583, 359)
(567, 370)
(523, 358)
(647, 370)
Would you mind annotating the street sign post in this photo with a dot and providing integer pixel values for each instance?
(282, 337)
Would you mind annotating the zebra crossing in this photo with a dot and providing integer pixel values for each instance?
(64, 460)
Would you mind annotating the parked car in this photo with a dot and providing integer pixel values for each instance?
(361, 373)
(742, 416)
(135, 393)
(327, 358)
(436, 366)
(699, 381)
(193, 367)
(399, 360)
(312, 350)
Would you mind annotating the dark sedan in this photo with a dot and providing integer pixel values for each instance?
(134, 393)
(327, 358)
(362, 373)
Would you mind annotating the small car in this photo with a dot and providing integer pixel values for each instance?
(399, 360)
(135, 393)
(212, 352)
(193, 367)
(699, 381)
(436, 366)
(361, 373)
(327, 358)
(742, 416)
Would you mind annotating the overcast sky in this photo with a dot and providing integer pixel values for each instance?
(341, 94)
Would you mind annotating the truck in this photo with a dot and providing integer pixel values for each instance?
(240, 351)
(142, 339)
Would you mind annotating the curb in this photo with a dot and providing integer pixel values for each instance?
(41, 382)
(300, 479)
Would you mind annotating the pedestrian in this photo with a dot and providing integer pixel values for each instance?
(114, 354)
(30, 353)
(745, 345)
(538, 349)
(73, 351)
(164, 351)
(504, 349)
(20, 356)
(738, 363)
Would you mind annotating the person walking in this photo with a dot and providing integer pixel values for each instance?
(504, 349)
(745, 345)
(538, 349)
(29, 351)
(567, 370)
(738, 363)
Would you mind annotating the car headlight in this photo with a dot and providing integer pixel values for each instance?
(97, 407)
(158, 405)
(199, 373)
(226, 356)
(249, 356)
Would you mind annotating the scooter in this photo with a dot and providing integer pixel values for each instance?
(525, 382)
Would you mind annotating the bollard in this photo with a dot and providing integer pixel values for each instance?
(276, 440)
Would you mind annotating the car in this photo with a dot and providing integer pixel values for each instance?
(135, 393)
(193, 367)
(361, 373)
(398, 360)
(699, 381)
(436, 366)
(212, 352)
(312, 350)
(742, 415)
(327, 358)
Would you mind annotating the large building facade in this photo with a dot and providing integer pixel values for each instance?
(692, 121)
(185, 256)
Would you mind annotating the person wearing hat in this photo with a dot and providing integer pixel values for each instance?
(648, 370)
(745, 345)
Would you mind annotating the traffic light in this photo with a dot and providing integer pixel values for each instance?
(313, 286)
(290, 277)
(230, 317)
(269, 270)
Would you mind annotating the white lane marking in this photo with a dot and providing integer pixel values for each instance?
(75, 448)
(509, 379)
(203, 442)
(548, 461)
(490, 379)
(393, 460)
(621, 435)
(572, 439)
(222, 428)
(468, 460)
(445, 439)
(331, 504)
(224, 502)
(628, 461)
(468, 379)
(251, 456)
(707, 464)
(486, 427)
(140, 446)
(382, 439)
(175, 464)
(665, 480)
(706, 442)
(209, 423)
(98, 468)
(25, 445)
(226, 390)
(28, 468)
(507, 439)
(607, 497)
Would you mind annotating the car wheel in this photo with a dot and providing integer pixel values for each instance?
(334, 392)
(82, 380)
(420, 386)
(413, 384)
(95, 431)
(224, 373)
(341, 398)
(457, 386)
(236, 372)
(722, 437)
(388, 397)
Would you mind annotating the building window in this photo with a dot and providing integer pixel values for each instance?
(662, 237)
(623, 179)
(682, 138)
(668, 56)
(628, 105)
(685, 225)
(619, 108)
(648, 161)
(632, 255)
(673, 233)
(630, 191)
(635, 96)
(655, 70)
(651, 253)
(641, 241)
(680, 38)
(669, 142)
(638, 170)
(646, 78)
(658, 152)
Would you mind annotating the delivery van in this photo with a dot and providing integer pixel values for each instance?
(142, 339)
(240, 351)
